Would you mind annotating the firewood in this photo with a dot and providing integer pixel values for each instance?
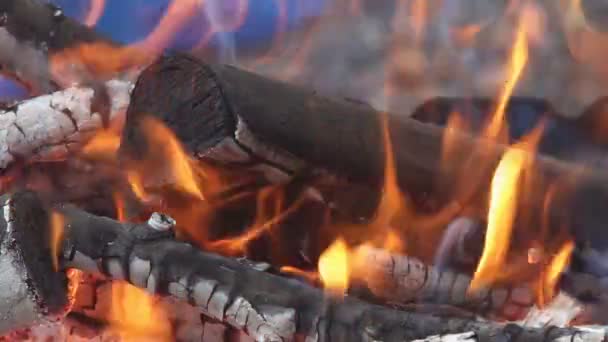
(264, 305)
(229, 115)
(48, 126)
(30, 290)
(31, 31)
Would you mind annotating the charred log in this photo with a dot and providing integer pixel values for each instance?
(264, 305)
(224, 114)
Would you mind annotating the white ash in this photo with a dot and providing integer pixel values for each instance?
(49, 126)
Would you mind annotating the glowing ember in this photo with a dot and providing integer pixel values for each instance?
(333, 267)
(56, 233)
(134, 315)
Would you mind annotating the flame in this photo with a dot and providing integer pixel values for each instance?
(333, 267)
(555, 269)
(95, 12)
(56, 236)
(104, 144)
(515, 68)
(504, 194)
(311, 277)
(165, 153)
(392, 206)
(504, 190)
(74, 277)
(270, 211)
(120, 206)
(135, 314)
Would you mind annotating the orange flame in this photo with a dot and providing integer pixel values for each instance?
(56, 234)
(503, 204)
(104, 145)
(515, 68)
(167, 154)
(555, 269)
(504, 194)
(120, 207)
(333, 267)
(135, 314)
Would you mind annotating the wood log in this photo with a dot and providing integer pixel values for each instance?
(48, 126)
(30, 290)
(264, 305)
(31, 32)
(233, 116)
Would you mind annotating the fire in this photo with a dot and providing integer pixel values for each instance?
(555, 269)
(334, 267)
(134, 314)
(104, 145)
(392, 204)
(166, 153)
(515, 68)
(503, 203)
(120, 206)
(56, 236)
(505, 190)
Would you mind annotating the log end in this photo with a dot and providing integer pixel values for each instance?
(182, 93)
(30, 291)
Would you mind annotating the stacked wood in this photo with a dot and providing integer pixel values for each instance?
(263, 305)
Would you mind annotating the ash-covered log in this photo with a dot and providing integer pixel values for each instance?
(48, 126)
(225, 114)
(266, 306)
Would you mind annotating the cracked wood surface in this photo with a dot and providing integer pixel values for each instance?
(263, 305)
(49, 126)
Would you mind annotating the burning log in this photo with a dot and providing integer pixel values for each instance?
(48, 126)
(31, 32)
(225, 114)
(264, 305)
(404, 280)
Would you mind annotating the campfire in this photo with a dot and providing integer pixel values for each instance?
(156, 195)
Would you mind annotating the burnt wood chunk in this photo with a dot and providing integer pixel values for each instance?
(236, 117)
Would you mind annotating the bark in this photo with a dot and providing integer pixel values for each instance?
(236, 117)
(264, 305)
(31, 32)
(49, 126)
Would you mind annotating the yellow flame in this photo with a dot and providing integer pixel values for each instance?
(57, 230)
(135, 314)
(515, 68)
(333, 267)
(166, 154)
(556, 267)
(105, 144)
(503, 204)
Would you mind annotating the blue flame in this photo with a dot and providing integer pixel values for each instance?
(128, 21)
